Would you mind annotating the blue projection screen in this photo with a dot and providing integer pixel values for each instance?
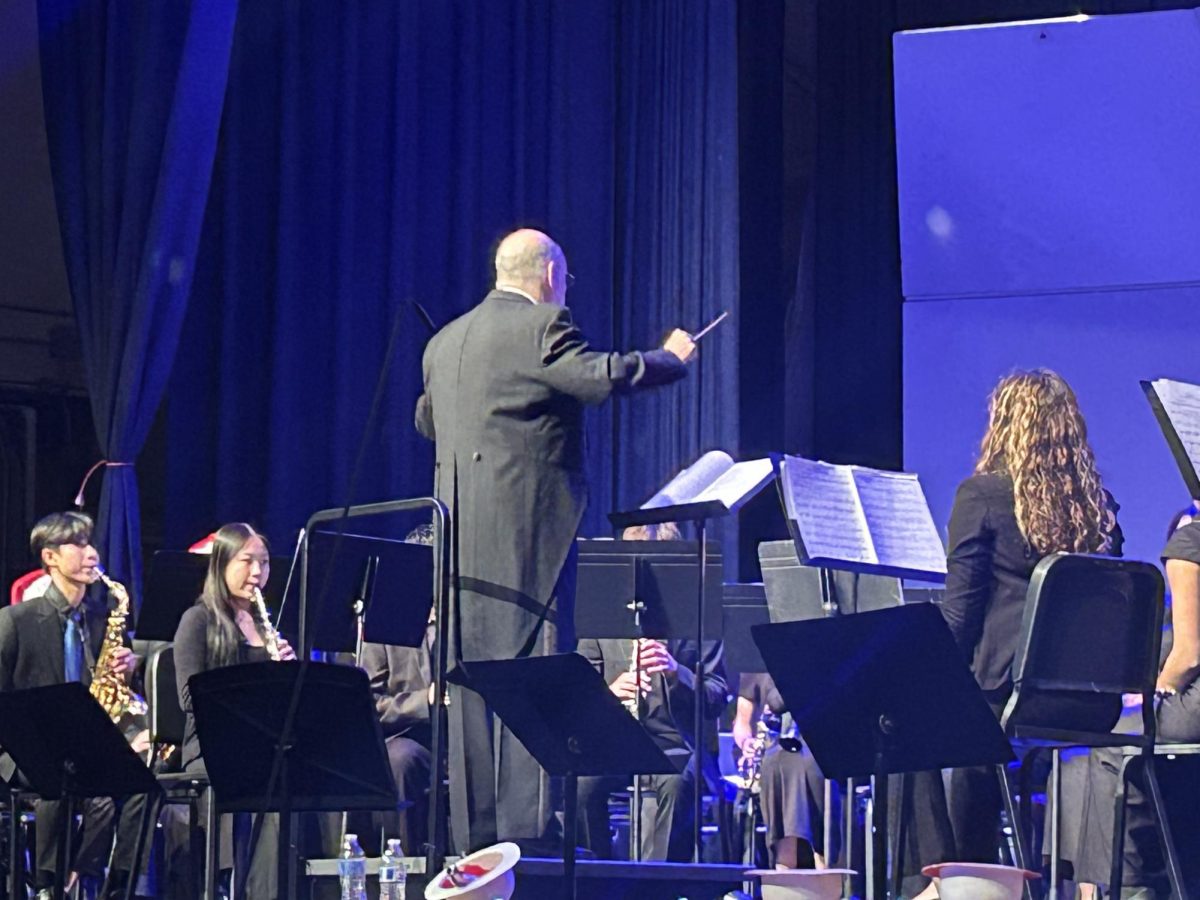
(1050, 216)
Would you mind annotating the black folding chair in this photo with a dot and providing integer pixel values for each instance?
(1091, 633)
(167, 727)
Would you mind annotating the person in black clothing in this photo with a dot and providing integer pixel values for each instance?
(665, 696)
(222, 629)
(1178, 714)
(1035, 491)
(54, 639)
(667, 693)
(505, 391)
(792, 788)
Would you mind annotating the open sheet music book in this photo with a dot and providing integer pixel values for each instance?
(864, 520)
(1176, 405)
(715, 478)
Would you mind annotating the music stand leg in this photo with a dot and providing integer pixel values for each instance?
(877, 887)
(149, 814)
(63, 857)
(570, 827)
(14, 843)
(212, 842)
(698, 704)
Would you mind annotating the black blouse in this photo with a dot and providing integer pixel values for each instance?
(191, 656)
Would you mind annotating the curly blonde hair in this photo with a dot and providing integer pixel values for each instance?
(1037, 437)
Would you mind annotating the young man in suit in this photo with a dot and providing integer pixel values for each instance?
(54, 639)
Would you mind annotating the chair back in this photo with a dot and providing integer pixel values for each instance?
(1091, 632)
(167, 719)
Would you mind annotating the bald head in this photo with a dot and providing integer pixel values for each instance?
(530, 260)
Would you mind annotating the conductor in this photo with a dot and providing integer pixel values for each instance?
(505, 389)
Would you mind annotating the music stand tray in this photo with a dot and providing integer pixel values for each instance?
(335, 756)
(561, 710)
(396, 614)
(881, 693)
(68, 749)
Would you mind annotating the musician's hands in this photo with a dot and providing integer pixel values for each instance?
(680, 343)
(122, 661)
(141, 743)
(654, 657)
(625, 685)
(742, 732)
(285, 649)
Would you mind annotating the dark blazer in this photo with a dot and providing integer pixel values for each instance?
(988, 567)
(31, 641)
(400, 679)
(505, 390)
(667, 710)
(31, 646)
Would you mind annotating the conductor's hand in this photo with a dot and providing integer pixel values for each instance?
(681, 344)
(625, 685)
(654, 657)
(285, 649)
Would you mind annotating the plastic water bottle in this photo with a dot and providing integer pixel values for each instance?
(392, 874)
(352, 869)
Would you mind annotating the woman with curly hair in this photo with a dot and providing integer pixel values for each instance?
(1035, 491)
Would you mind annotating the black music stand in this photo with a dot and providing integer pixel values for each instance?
(698, 514)
(176, 579)
(68, 749)
(881, 693)
(743, 607)
(332, 759)
(634, 589)
(561, 710)
(396, 614)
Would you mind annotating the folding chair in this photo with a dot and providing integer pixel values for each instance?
(1091, 632)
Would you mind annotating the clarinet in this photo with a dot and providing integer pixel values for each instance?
(270, 635)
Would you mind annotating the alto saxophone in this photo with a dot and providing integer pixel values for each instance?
(110, 689)
(270, 635)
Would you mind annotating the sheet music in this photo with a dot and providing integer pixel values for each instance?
(899, 520)
(823, 502)
(692, 481)
(738, 483)
(1181, 402)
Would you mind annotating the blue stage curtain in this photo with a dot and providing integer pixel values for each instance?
(133, 96)
(372, 154)
(677, 203)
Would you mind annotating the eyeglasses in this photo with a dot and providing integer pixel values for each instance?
(570, 281)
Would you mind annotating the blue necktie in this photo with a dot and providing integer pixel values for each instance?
(73, 648)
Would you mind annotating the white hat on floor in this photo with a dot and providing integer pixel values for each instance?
(801, 884)
(979, 881)
(486, 874)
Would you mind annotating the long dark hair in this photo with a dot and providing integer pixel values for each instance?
(224, 636)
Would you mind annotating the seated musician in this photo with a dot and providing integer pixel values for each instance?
(665, 697)
(223, 628)
(53, 639)
(402, 684)
(1178, 715)
(792, 787)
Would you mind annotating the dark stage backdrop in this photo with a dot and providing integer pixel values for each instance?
(371, 154)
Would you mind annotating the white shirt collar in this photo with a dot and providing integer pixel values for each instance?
(509, 289)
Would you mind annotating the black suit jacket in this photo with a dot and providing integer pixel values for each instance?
(31, 641)
(667, 710)
(505, 390)
(31, 646)
(988, 567)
